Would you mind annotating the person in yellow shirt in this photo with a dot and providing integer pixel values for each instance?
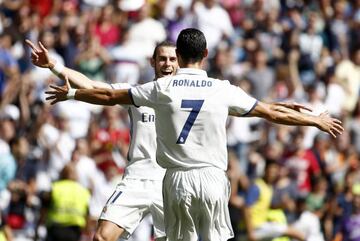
(258, 205)
(65, 208)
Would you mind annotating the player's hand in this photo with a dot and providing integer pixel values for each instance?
(40, 55)
(330, 125)
(58, 93)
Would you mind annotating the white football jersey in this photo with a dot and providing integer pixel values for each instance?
(191, 111)
(142, 149)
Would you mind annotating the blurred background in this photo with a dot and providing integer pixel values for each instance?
(305, 51)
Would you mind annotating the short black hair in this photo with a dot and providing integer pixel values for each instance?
(191, 45)
(271, 162)
(165, 43)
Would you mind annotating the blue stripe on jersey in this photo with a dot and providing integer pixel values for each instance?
(116, 197)
(110, 197)
(132, 98)
(251, 108)
(131, 133)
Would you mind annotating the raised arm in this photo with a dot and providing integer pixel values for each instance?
(283, 115)
(93, 96)
(40, 57)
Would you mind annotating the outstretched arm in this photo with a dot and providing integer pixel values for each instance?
(293, 105)
(287, 116)
(93, 96)
(40, 57)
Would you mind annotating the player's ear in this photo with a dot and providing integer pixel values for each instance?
(152, 62)
(206, 52)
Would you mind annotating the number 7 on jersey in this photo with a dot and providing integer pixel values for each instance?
(195, 106)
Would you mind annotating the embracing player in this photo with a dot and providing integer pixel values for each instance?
(140, 191)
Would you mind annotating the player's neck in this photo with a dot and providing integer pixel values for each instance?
(190, 64)
(196, 65)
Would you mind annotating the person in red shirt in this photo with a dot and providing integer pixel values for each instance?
(302, 164)
(109, 143)
(105, 29)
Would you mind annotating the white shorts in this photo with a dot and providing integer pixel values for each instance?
(270, 230)
(132, 200)
(196, 205)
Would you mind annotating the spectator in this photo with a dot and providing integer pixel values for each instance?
(343, 202)
(9, 71)
(309, 220)
(92, 60)
(65, 209)
(258, 204)
(207, 14)
(349, 227)
(260, 76)
(303, 164)
(7, 160)
(348, 73)
(110, 143)
(106, 30)
(146, 31)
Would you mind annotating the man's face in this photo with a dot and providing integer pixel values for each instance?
(272, 173)
(165, 62)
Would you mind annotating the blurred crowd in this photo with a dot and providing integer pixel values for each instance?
(305, 51)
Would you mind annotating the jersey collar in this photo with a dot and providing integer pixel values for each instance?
(191, 71)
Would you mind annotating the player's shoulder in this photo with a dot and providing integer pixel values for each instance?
(163, 82)
(164, 79)
(221, 82)
(118, 86)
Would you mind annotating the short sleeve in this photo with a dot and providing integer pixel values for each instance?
(120, 86)
(240, 103)
(252, 195)
(144, 95)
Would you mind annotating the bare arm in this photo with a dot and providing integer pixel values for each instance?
(79, 80)
(104, 96)
(11, 90)
(283, 115)
(93, 96)
(248, 224)
(40, 57)
(8, 233)
(293, 105)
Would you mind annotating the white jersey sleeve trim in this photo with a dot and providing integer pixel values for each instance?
(245, 114)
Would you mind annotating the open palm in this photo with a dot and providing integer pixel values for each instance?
(330, 125)
(58, 93)
(39, 55)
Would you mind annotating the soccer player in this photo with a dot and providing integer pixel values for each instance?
(191, 111)
(140, 191)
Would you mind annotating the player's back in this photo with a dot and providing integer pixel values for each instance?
(191, 111)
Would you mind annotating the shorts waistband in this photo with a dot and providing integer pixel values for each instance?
(185, 169)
